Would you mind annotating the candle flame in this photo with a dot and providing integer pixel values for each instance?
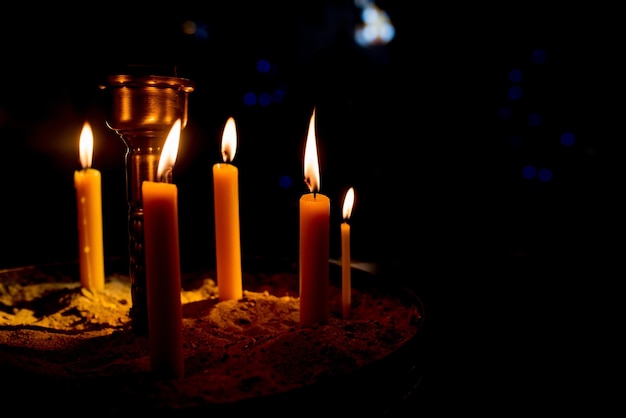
(170, 150)
(229, 140)
(311, 164)
(85, 147)
(348, 204)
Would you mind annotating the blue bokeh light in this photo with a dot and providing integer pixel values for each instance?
(278, 96)
(539, 56)
(202, 32)
(544, 175)
(263, 66)
(249, 98)
(265, 99)
(515, 75)
(568, 139)
(529, 172)
(198, 30)
(285, 182)
(534, 119)
(515, 92)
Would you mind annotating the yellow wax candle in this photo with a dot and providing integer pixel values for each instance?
(88, 185)
(314, 240)
(346, 285)
(162, 255)
(226, 203)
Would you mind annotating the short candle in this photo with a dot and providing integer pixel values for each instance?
(346, 282)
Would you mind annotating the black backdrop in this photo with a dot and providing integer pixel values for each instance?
(413, 125)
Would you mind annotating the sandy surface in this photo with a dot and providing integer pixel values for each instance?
(56, 336)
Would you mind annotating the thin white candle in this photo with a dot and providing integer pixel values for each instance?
(346, 280)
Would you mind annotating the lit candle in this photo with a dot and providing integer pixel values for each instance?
(346, 289)
(314, 239)
(226, 202)
(88, 185)
(162, 257)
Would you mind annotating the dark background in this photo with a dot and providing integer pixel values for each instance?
(513, 271)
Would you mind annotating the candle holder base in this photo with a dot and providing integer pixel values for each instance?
(142, 109)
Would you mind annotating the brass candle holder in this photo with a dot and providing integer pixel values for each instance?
(142, 110)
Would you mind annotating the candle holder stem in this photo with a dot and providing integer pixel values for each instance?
(142, 110)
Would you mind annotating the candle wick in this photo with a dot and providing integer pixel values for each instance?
(166, 177)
